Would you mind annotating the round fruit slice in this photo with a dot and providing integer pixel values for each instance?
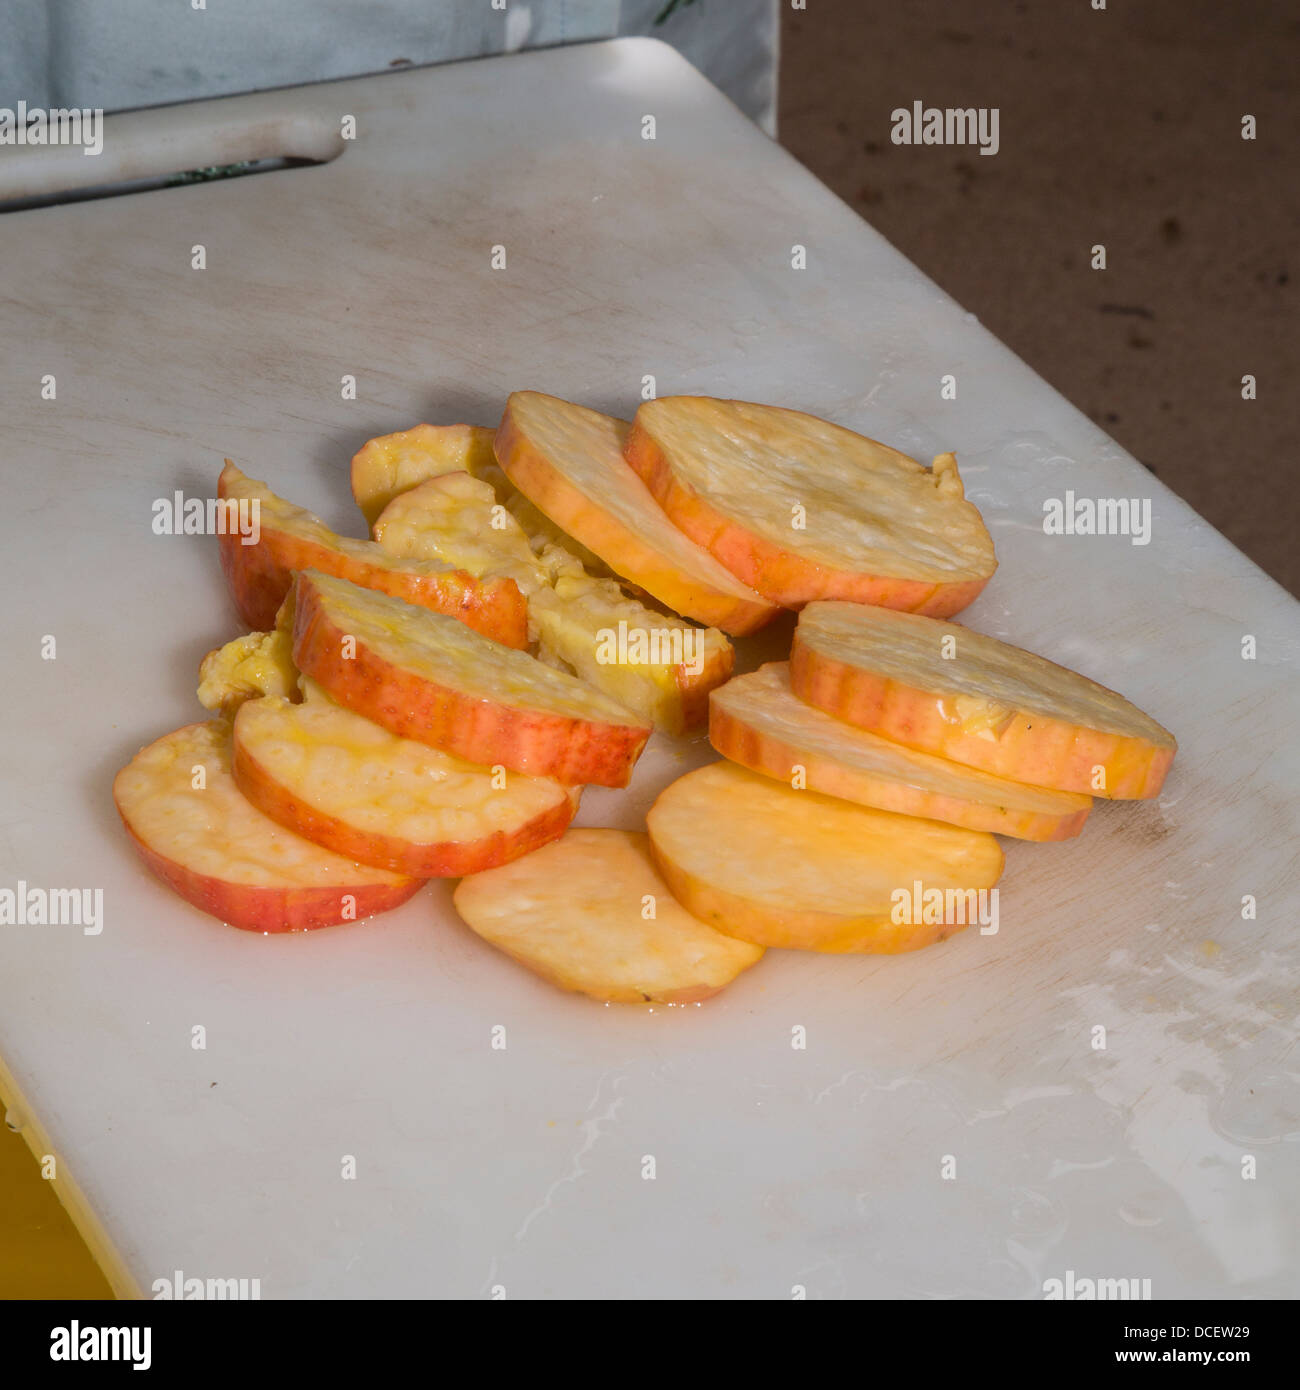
(289, 538)
(220, 852)
(392, 464)
(946, 690)
(778, 867)
(456, 519)
(801, 509)
(427, 677)
(347, 784)
(590, 913)
(385, 467)
(758, 721)
(569, 461)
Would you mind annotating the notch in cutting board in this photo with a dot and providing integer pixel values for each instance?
(165, 148)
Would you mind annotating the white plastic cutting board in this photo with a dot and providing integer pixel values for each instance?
(479, 1169)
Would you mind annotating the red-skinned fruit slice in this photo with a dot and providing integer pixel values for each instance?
(287, 538)
(758, 721)
(220, 853)
(344, 782)
(432, 679)
(568, 461)
(947, 690)
(801, 509)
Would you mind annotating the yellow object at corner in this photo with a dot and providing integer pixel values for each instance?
(41, 1253)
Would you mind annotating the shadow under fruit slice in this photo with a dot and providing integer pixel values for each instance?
(576, 914)
(778, 867)
(801, 509)
(220, 853)
(430, 678)
(758, 721)
(344, 782)
(290, 538)
(955, 693)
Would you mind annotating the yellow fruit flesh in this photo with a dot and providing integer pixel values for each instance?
(983, 685)
(259, 663)
(351, 769)
(556, 548)
(212, 830)
(867, 509)
(278, 515)
(871, 766)
(585, 448)
(390, 464)
(457, 519)
(575, 912)
(447, 653)
(797, 852)
(578, 621)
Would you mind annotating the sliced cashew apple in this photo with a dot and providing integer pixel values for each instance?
(590, 913)
(758, 721)
(344, 782)
(385, 467)
(456, 519)
(427, 677)
(944, 689)
(289, 539)
(657, 665)
(801, 509)
(569, 462)
(220, 852)
(256, 664)
(556, 549)
(778, 867)
(392, 464)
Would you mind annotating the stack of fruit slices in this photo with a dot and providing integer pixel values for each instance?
(430, 702)
(387, 727)
(408, 744)
(887, 752)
